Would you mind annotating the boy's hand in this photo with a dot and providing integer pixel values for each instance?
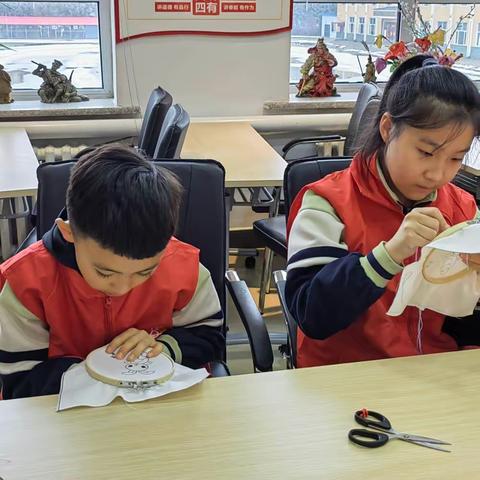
(136, 342)
(418, 228)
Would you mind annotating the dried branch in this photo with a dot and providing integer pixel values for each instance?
(460, 20)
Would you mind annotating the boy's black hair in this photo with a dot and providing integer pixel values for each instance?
(124, 202)
(423, 94)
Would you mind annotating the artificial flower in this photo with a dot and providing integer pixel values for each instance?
(379, 41)
(437, 37)
(396, 50)
(424, 43)
(380, 64)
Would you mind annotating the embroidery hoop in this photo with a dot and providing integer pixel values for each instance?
(437, 260)
(141, 373)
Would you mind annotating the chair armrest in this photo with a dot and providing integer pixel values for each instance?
(218, 369)
(280, 278)
(253, 322)
(322, 138)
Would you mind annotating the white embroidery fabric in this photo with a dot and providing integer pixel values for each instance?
(441, 280)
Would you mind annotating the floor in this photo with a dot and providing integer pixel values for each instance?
(239, 358)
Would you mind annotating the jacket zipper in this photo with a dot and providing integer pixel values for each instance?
(108, 319)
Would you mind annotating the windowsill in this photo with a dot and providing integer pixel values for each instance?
(343, 103)
(93, 109)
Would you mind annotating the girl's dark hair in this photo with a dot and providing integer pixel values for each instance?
(423, 94)
(124, 202)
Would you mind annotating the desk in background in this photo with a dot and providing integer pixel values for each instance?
(289, 424)
(249, 160)
(18, 179)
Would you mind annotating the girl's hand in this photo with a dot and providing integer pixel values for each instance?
(136, 342)
(472, 260)
(419, 227)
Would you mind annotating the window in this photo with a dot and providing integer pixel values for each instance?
(461, 34)
(78, 34)
(352, 24)
(361, 25)
(347, 24)
(442, 26)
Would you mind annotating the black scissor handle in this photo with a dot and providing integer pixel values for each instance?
(360, 436)
(373, 419)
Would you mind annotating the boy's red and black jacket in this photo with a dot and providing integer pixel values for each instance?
(50, 318)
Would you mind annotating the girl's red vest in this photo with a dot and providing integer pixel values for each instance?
(371, 216)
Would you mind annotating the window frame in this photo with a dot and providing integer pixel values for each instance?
(105, 30)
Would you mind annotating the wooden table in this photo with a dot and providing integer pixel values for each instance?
(289, 424)
(18, 179)
(248, 159)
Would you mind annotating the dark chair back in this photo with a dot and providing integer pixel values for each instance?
(173, 133)
(358, 123)
(157, 108)
(297, 175)
(202, 220)
(302, 172)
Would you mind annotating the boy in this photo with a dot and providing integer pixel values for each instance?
(108, 272)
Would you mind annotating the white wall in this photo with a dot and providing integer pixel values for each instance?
(208, 75)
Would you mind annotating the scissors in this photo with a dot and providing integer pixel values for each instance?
(376, 421)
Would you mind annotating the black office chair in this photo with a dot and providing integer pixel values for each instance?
(297, 175)
(367, 103)
(271, 231)
(202, 223)
(173, 133)
(158, 106)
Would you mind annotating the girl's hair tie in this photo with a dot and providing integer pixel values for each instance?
(430, 62)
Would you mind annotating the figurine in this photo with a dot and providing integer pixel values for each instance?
(5, 86)
(56, 87)
(319, 82)
(369, 75)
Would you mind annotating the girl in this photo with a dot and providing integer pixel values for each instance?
(351, 233)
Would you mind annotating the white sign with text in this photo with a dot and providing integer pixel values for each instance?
(137, 18)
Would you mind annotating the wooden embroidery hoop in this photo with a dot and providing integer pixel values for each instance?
(142, 373)
(429, 276)
(432, 259)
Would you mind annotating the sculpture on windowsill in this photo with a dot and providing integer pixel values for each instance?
(56, 87)
(317, 73)
(5, 86)
(369, 75)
